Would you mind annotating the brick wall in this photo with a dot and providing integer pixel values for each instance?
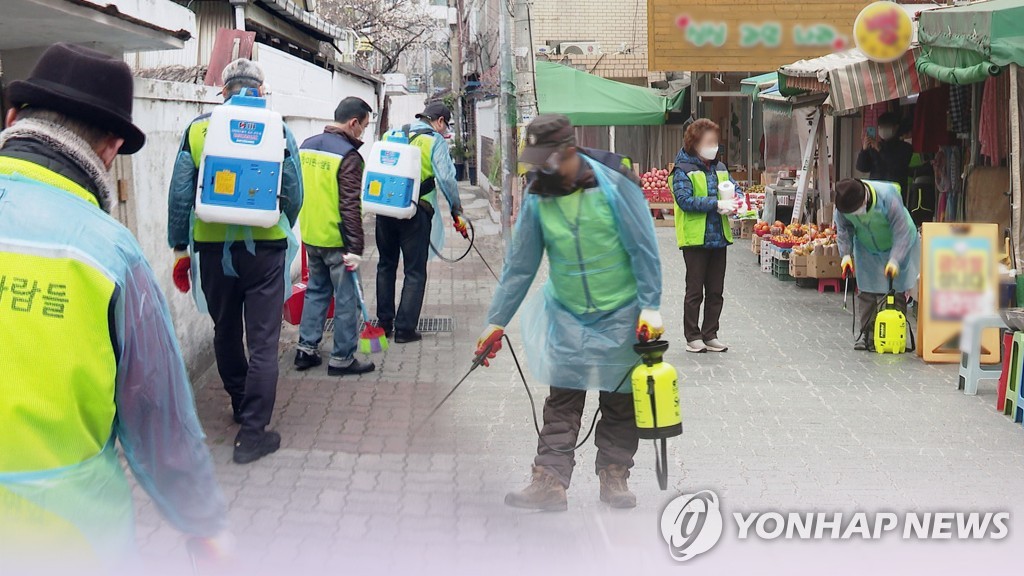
(612, 23)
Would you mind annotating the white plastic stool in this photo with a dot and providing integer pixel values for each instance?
(971, 368)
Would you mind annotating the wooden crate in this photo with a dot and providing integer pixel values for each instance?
(666, 220)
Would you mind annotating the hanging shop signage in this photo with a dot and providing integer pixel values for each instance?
(959, 276)
(743, 35)
(883, 31)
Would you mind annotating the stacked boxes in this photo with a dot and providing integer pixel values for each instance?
(798, 265)
(824, 262)
(766, 256)
(755, 244)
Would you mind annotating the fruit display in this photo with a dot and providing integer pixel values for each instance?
(798, 234)
(755, 197)
(655, 186)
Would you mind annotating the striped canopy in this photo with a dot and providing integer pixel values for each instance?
(852, 80)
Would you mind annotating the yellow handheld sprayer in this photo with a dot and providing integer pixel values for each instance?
(891, 326)
(656, 402)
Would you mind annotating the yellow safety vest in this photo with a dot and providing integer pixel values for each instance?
(691, 226)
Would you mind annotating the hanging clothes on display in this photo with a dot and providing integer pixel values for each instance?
(995, 121)
(960, 109)
(930, 130)
(942, 184)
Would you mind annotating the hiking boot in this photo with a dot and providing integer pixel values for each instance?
(251, 450)
(356, 367)
(614, 490)
(306, 360)
(716, 345)
(545, 492)
(696, 346)
(407, 336)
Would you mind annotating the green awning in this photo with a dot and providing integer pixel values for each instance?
(590, 100)
(980, 33)
(956, 74)
(755, 84)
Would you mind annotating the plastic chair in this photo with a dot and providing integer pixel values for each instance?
(971, 369)
(1009, 367)
(1011, 396)
(832, 283)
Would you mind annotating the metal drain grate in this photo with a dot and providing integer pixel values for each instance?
(430, 325)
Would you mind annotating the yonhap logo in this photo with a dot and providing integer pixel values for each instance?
(691, 524)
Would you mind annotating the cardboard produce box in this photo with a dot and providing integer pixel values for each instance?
(747, 228)
(824, 262)
(798, 265)
(755, 244)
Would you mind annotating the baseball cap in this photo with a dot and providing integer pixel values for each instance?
(544, 136)
(435, 111)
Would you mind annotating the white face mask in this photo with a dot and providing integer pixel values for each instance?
(886, 133)
(708, 152)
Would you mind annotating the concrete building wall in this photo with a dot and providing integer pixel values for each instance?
(619, 26)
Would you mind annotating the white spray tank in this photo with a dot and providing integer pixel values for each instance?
(391, 178)
(240, 169)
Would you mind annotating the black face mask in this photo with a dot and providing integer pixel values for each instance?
(545, 184)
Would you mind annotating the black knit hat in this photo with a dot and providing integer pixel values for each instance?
(83, 84)
(850, 195)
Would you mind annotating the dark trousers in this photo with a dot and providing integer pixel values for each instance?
(615, 437)
(251, 302)
(705, 282)
(411, 239)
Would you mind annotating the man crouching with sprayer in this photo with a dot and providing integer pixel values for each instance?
(604, 290)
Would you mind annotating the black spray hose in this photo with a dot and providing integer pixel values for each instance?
(472, 241)
(479, 359)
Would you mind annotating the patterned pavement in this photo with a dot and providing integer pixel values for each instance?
(790, 419)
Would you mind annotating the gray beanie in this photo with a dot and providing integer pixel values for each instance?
(242, 70)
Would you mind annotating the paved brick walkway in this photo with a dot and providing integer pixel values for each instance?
(790, 419)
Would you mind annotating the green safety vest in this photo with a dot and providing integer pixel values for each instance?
(214, 232)
(872, 228)
(425, 142)
(58, 392)
(590, 268)
(692, 226)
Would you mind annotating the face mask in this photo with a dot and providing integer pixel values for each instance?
(860, 211)
(886, 133)
(708, 152)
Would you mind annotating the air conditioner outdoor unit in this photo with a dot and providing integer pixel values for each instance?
(580, 48)
(543, 50)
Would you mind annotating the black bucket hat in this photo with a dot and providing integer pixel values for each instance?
(83, 84)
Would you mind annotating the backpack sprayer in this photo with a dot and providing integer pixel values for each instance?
(240, 167)
(655, 400)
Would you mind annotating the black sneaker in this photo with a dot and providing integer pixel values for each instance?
(388, 329)
(247, 451)
(407, 336)
(305, 361)
(356, 367)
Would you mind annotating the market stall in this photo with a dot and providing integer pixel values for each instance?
(982, 45)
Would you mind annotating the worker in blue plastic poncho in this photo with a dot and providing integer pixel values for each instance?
(604, 286)
(87, 351)
(878, 234)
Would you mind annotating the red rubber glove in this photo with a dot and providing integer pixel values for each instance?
(182, 271)
(460, 226)
(491, 338)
